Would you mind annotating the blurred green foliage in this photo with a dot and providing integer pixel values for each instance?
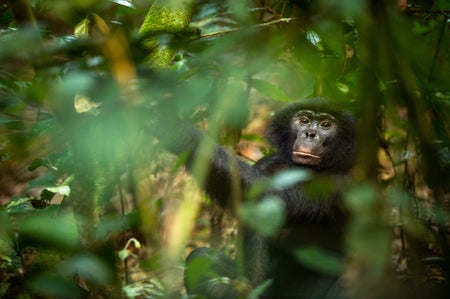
(77, 89)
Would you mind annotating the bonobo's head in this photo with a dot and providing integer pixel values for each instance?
(314, 134)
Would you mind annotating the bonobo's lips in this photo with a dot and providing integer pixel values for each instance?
(305, 155)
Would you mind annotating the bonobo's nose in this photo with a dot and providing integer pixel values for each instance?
(310, 134)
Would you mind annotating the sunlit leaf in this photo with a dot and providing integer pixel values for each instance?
(126, 3)
(84, 104)
(4, 258)
(82, 28)
(344, 88)
(19, 205)
(64, 190)
(100, 23)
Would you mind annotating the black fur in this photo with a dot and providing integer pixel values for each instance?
(312, 220)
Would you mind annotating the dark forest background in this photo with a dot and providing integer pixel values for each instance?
(92, 207)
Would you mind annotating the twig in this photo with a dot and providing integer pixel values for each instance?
(269, 23)
(438, 46)
(428, 11)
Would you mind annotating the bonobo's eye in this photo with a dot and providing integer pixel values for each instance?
(303, 120)
(326, 124)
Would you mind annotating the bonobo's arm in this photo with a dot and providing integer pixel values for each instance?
(220, 173)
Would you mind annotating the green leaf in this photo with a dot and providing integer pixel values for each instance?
(361, 199)
(82, 28)
(13, 124)
(19, 205)
(88, 266)
(344, 88)
(38, 163)
(43, 126)
(45, 227)
(320, 260)
(280, 181)
(270, 90)
(259, 291)
(265, 217)
(53, 285)
(64, 190)
(126, 3)
(288, 178)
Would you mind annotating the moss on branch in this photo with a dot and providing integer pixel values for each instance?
(165, 16)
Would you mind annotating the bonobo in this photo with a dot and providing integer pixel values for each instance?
(308, 134)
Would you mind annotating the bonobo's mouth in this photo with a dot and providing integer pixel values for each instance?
(305, 155)
(305, 158)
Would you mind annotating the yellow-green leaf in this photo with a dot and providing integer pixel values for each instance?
(82, 28)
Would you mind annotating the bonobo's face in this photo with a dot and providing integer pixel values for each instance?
(314, 133)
